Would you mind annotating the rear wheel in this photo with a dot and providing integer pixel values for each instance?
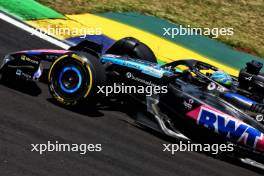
(133, 48)
(75, 77)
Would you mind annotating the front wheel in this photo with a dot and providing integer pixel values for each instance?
(75, 77)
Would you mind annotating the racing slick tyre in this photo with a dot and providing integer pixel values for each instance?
(132, 47)
(75, 77)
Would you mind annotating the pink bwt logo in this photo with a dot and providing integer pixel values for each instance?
(228, 126)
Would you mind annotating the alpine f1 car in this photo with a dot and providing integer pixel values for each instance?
(194, 106)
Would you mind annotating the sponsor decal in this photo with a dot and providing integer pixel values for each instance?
(129, 75)
(18, 72)
(228, 126)
(259, 118)
(188, 104)
(213, 86)
(25, 58)
(22, 74)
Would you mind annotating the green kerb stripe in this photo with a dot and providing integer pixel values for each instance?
(28, 9)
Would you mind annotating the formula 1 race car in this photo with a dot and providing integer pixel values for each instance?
(184, 104)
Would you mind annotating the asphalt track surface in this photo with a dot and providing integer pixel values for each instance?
(28, 118)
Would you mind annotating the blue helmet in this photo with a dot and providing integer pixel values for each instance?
(222, 78)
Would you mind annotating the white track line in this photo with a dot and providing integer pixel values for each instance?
(33, 31)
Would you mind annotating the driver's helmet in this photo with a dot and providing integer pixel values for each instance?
(222, 78)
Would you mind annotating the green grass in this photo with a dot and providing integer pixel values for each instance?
(246, 17)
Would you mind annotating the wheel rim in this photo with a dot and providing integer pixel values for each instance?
(70, 79)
